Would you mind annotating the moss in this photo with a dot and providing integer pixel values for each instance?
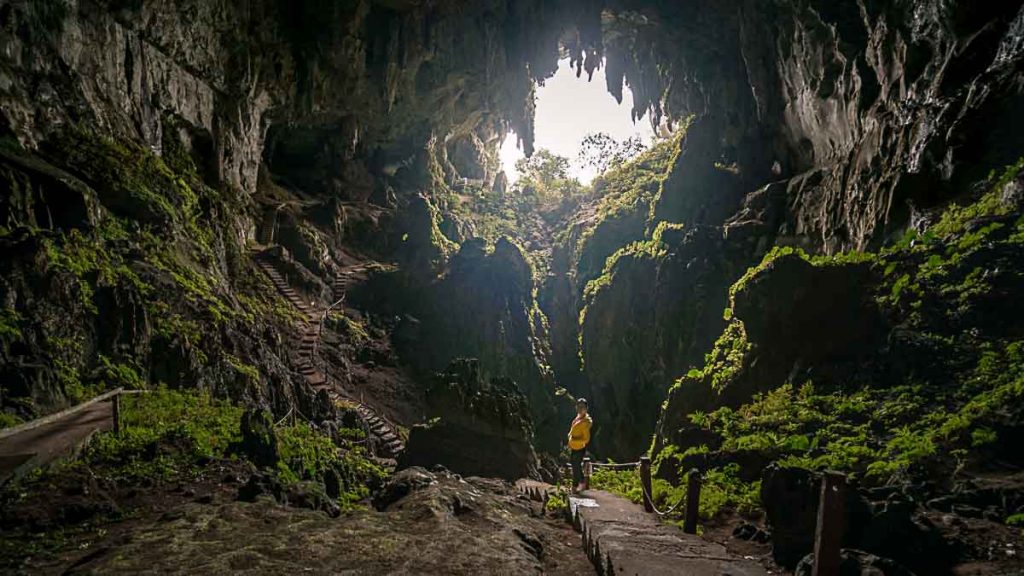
(353, 330)
(247, 370)
(92, 262)
(9, 320)
(622, 216)
(307, 454)
(873, 434)
(71, 382)
(119, 374)
(8, 420)
(197, 426)
(725, 360)
(173, 151)
(197, 288)
(135, 181)
(955, 218)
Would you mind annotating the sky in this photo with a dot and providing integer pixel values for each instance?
(569, 108)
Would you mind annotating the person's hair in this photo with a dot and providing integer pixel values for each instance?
(581, 401)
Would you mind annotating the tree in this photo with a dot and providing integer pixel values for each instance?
(603, 152)
(547, 174)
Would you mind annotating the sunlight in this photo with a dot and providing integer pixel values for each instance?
(569, 108)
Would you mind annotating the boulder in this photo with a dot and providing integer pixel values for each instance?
(259, 442)
(892, 528)
(857, 563)
(477, 426)
(402, 484)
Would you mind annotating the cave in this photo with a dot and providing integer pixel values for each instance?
(352, 266)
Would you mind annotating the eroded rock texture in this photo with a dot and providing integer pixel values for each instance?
(475, 427)
(340, 130)
(828, 126)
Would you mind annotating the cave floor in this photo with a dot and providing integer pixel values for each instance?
(453, 526)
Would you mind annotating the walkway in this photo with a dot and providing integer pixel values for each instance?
(23, 451)
(621, 539)
(386, 436)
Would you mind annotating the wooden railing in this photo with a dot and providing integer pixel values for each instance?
(113, 395)
(831, 509)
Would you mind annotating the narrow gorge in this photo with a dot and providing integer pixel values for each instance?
(331, 331)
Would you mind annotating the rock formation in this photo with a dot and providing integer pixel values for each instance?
(475, 427)
(829, 239)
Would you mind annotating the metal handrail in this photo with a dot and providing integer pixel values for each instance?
(320, 336)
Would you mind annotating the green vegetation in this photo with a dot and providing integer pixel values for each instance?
(165, 242)
(8, 420)
(558, 502)
(9, 329)
(602, 152)
(955, 219)
(946, 413)
(170, 435)
(722, 491)
(122, 375)
(247, 370)
(616, 237)
(307, 454)
(529, 211)
(724, 361)
(91, 262)
(626, 195)
(547, 175)
(165, 436)
(632, 186)
(139, 184)
(353, 330)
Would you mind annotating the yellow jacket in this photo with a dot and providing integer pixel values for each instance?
(579, 433)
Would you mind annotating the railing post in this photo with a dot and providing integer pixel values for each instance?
(693, 482)
(828, 537)
(587, 470)
(645, 482)
(116, 400)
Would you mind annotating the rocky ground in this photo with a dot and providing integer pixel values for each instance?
(424, 523)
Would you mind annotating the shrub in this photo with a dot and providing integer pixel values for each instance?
(165, 434)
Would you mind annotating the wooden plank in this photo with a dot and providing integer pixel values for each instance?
(645, 482)
(828, 538)
(692, 501)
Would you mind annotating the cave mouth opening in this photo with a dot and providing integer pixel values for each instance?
(571, 110)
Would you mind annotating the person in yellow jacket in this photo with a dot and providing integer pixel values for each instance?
(579, 438)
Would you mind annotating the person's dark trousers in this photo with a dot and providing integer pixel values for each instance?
(576, 457)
